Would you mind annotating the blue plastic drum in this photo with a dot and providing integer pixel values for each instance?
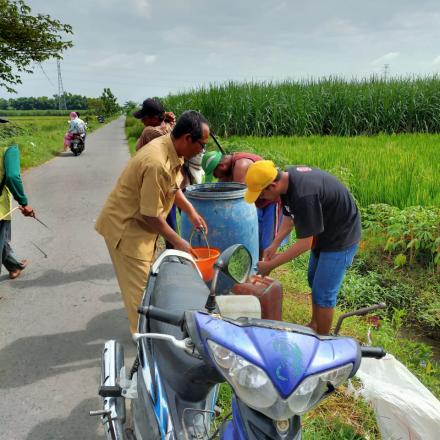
(230, 220)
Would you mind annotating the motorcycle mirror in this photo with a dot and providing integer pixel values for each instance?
(239, 265)
(236, 263)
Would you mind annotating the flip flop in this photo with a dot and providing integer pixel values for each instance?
(16, 273)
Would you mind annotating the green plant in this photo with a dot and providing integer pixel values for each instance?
(412, 234)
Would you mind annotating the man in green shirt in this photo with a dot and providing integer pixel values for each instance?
(11, 185)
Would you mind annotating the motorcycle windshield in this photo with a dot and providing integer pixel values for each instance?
(287, 353)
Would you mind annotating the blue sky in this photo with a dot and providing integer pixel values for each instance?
(142, 48)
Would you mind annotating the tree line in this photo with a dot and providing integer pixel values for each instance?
(106, 104)
(44, 103)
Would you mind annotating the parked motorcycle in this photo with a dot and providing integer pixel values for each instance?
(278, 371)
(77, 144)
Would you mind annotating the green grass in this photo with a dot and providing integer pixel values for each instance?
(400, 170)
(51, 112)
(133, 129)
(39, 138)
(327, 106)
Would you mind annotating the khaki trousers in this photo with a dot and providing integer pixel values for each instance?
(132, 275)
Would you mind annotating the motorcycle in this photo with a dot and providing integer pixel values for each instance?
(77, 144)
(186, 347)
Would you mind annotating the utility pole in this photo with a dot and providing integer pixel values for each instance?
(61, 96)
(386, 70)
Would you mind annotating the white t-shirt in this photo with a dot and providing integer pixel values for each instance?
(82, 127)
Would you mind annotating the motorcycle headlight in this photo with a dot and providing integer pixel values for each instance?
(251, 383)
(254, 387)
(310, 390)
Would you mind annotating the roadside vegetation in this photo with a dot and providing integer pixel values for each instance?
(39, 132)
(39, 138)
(133, 129)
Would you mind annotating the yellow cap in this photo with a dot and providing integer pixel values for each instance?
(259, 175)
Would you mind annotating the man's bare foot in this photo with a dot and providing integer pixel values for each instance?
(16, 273)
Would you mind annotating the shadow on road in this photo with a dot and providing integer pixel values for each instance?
(110, 297)
(30, 359)
(52, 277)
(63, 154)
(79, 425)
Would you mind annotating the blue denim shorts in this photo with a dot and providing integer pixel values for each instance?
(266, 226)
(326, 273)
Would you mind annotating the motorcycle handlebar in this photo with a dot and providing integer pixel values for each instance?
(373, 352)
(162, 315)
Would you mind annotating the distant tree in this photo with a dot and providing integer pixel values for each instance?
(95, 105)
(77, 102)
(26, 39)
(129, 107)
(74, 102)
(109, 102)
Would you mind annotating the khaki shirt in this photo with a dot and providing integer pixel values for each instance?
(150, 133)
(146, 187)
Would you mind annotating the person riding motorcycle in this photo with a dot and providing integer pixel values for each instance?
(77, 127)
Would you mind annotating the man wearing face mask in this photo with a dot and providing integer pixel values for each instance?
(134, 214)
(157, 123)
(326, 220)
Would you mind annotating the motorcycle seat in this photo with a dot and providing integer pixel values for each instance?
(178, 288)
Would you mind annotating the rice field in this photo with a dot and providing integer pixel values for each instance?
(328, 106)
(400, 170)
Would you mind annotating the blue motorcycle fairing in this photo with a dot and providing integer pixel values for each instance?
(235, 429)
(286, 356)
(248, 424)
(156, 392)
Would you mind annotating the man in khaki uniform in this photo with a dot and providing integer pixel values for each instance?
(135, 211)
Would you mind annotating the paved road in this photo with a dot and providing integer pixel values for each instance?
(56, 315)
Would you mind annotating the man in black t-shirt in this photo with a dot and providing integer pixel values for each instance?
(326, 220)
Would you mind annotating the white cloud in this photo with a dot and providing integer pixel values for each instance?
(417, 20)
(150, 59)
(385, 58)
(143, 7)
(338, 26)
(436, 61)
(280, 7)
(179, 35)
(124, 60)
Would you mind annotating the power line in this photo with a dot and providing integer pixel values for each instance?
(45, 74)
(61, 97)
